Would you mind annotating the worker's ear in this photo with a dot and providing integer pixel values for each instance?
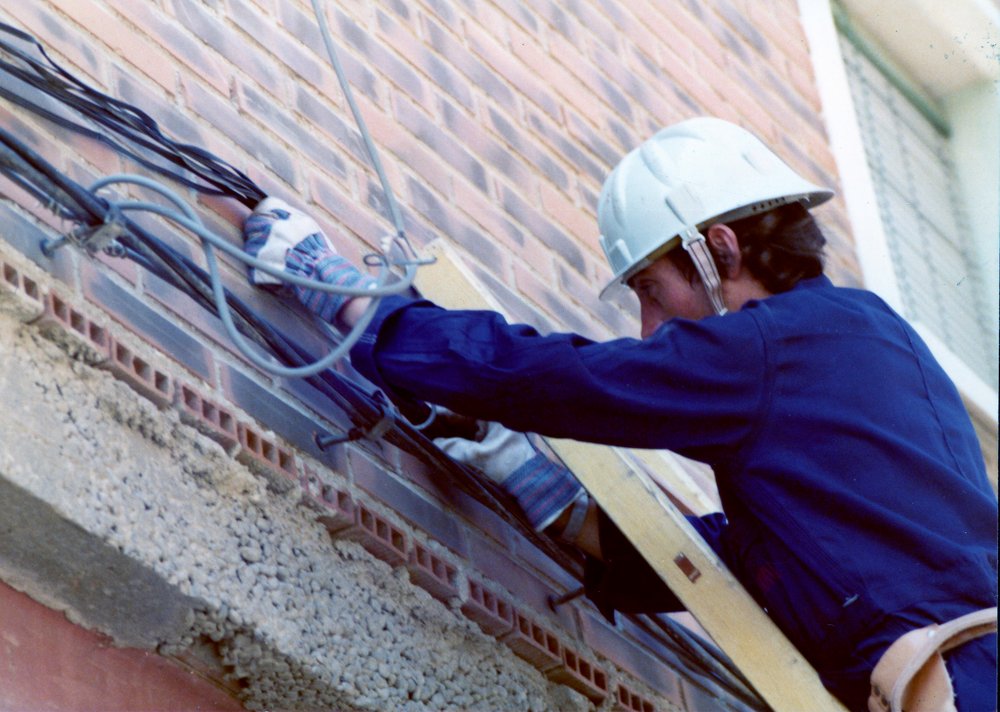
(725, 249)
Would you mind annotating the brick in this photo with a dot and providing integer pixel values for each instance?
(264, 455)
(627, 700)
(414, 51)
(426, 129)
(513, 71)
(207, 416)
(73, 331)
(20, 295)
(401, 498)
(262, 107)
(381, 58)
(288, 422)
(150, 324)
(567, 84)
(630, 657)
(433, 573)
(123, 41)
(227, 42)
(534, 643)
(457, 54)
(493, 613)
(377, 535)
(448, 221)
(581, 674)
(304, 65)
(569, 150)
(179, 41)
(579, 221)
(696, 32)
(57, 38)
(511, 161)
(217, 111)
(540, 289)
(532, 557)
(334, 506)
(542, 229)
(139, 374)
(495, 564)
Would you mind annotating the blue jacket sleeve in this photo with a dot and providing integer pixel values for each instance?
(694, 387)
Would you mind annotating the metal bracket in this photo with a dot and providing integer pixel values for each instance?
(556, 601)
(374, 431)
(92, 238)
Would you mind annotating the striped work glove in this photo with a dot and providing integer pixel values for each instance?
(542, 488)
(290, 240)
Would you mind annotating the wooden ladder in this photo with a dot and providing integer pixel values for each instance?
(658, 530)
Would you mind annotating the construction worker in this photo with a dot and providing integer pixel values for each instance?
(856, 504)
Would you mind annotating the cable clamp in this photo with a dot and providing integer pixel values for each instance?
(387, 420)
(93, 238)
(397, 251)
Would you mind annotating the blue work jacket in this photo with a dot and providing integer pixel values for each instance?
(855, 494)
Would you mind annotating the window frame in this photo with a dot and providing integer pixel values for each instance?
(861, 199)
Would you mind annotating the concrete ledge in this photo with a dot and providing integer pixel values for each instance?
(139, 526)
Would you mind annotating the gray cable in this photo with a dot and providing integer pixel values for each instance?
(390, 197)
(187, 218)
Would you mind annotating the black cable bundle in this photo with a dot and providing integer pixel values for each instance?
(133, 127)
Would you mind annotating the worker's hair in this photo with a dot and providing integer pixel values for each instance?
(780, 247)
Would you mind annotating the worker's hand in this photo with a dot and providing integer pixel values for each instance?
(272, 229)
(542, 488)
(291, 241)
(497, 453)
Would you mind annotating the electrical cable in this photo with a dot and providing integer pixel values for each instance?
(359, 119)
(133, 130)
(706, 657)
(188, 219)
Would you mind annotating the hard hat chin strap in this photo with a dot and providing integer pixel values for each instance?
(695, 245)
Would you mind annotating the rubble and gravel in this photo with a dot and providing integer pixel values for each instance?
(299, 621)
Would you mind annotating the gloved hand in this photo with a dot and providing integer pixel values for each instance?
(290, 240)
(541, 487)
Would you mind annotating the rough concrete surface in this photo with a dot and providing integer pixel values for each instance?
(136, 525)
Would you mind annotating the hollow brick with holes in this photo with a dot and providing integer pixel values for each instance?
(66, 325)
(580, 674)
(626, 700)
(377, 535)
(264, 455)
(493, 613)
(334, 507)
(207, 416)
(534, 643)
(20, 295)
(432, 573)
(138, 374)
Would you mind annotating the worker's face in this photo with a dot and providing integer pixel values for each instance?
(665, 293)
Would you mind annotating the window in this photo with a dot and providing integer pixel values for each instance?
(907, 145)
(909, 90)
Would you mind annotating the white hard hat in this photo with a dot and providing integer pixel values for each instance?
(700, 170)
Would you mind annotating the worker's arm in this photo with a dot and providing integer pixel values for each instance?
(616, 575)
(353, 310)
(697, 388)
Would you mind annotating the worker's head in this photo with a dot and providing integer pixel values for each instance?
(755, 257)
(717, 192)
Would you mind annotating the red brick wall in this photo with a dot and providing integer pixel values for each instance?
(496, 122)
(49, 663)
